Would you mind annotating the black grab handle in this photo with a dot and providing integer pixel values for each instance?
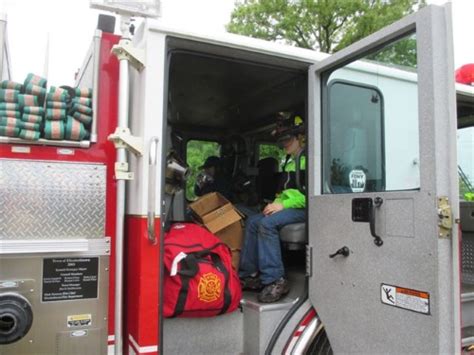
(377, 203)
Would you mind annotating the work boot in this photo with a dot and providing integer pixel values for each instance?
(251, 283)
(275, 291)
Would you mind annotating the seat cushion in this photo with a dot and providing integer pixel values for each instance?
(294, 233)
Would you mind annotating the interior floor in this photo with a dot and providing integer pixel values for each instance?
(226, 333)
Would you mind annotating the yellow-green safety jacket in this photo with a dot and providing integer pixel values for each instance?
(289, 196)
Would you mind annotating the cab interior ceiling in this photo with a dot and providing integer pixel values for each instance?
(227, 90)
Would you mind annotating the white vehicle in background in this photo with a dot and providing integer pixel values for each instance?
(377, 266)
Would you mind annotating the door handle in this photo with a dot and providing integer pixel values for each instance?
(151, 215)
(344, 251)
(378, 201)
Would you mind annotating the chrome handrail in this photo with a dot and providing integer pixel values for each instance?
(152, 161)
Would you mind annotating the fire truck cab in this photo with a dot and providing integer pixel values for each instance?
(376, 268)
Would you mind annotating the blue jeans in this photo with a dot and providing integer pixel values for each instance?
(261, 250)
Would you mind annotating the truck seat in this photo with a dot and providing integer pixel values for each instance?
(294, 236)
(267, 178)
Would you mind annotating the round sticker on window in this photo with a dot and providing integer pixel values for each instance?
(357, 180)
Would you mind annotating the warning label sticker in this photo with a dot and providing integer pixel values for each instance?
(413, 300)
(79, 320)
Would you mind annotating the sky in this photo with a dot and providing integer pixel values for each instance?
(70, 24)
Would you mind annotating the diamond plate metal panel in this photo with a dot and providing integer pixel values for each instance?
(50, 200)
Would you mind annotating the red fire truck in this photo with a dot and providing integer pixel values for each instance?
(375, 269)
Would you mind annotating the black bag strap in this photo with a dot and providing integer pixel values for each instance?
(167, 222)
(189, 269)
(216, 259)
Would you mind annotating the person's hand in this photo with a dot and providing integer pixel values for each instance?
(272, 208)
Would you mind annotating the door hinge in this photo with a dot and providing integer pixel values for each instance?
(445, 217)
(135, 56)
(309, 260)
(121, 171)
(122, 138)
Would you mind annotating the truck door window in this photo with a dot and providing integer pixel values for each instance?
(466, 163)
(197, 151)
(370, 139)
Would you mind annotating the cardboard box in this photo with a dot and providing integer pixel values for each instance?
(222, 219)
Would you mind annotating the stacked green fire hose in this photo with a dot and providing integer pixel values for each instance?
(31, 112)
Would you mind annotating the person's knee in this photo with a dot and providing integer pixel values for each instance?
(252, 222)
(267, 227)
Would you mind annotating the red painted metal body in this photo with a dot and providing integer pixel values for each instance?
(141, 285)
(101, 152)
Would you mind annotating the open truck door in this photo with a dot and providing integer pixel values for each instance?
(383, 193)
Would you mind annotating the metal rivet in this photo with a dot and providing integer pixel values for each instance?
(32, 290)
(106, 269)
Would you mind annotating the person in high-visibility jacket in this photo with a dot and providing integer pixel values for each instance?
(261, 265)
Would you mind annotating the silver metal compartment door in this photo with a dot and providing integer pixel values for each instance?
(385, 275)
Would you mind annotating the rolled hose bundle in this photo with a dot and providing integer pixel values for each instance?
(31, 118)
(83, 92)
(82, 118)
(57, 96)
(14, 114)
(58, 91)
(34, 110)
(56, 104)
(75, 130)
(36, 90)
(54, 130)
(28, 100)
(10, 121)
(8, 106)
(8, 84)
(9, 95)
(9, 131)
(36, 80)
(56, 114)
(30, 126)
(29, 134)
(82, 101)
(77, 107)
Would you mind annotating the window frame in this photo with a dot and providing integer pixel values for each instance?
(326, 141)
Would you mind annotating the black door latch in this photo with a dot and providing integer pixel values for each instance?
(364, 210)
(344, 251)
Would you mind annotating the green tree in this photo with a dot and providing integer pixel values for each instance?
(271, 150)
(324, 25)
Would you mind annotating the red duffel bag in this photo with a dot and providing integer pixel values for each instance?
(199, 278)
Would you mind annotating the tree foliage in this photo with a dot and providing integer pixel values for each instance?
(324, 25)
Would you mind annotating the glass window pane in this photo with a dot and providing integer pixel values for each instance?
(271, 151)
(466, 163)
(370, 123)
